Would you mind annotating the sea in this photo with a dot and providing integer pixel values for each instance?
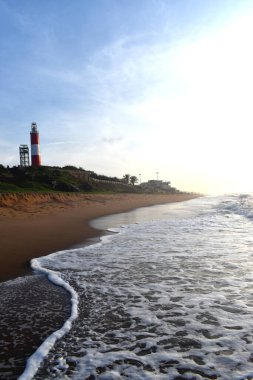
(166, 293)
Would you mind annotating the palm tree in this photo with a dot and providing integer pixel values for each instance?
(133, 180)
(126, 178)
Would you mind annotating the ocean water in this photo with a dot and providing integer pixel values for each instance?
(166, 298)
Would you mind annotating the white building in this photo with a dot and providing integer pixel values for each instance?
(158, 186)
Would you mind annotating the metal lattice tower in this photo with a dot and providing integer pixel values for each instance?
(24, 155)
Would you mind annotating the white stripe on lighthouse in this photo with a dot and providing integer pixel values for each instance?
(35, 150)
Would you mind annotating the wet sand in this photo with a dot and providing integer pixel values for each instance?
(33, 225)
(31, 309)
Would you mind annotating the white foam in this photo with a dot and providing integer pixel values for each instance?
(162, 298)
(38, 356)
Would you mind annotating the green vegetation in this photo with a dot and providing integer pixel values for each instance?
(130, 179)
(66, 179)
(133, 180)
(70, 179)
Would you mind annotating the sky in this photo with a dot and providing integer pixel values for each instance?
(154, 88)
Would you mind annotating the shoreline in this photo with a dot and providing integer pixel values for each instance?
(34, 225)
(43, 226)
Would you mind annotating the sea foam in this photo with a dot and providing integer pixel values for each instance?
(159, 300)
(36, 359)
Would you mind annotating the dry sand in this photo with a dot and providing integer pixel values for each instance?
(33, 225)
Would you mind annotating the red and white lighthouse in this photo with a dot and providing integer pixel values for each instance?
(35, 146)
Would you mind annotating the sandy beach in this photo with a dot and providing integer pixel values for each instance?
(33, 225)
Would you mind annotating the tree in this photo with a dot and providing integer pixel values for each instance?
(126, 178)
(133, 180)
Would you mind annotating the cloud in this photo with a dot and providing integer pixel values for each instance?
(60, 143)
(111, 140)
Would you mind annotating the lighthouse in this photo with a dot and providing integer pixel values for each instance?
(35, 146)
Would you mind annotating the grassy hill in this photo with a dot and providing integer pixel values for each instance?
(55, 179)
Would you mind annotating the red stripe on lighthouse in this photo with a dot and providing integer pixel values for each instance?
(36, 161)
(35, 138)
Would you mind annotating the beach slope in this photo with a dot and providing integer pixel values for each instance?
(33, 225)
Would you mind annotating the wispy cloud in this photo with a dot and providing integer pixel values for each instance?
(61, 143)
(111, 140)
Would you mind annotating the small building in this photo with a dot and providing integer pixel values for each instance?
(157, 186)
(24, 155)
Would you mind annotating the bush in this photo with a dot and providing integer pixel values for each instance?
(64, 186)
